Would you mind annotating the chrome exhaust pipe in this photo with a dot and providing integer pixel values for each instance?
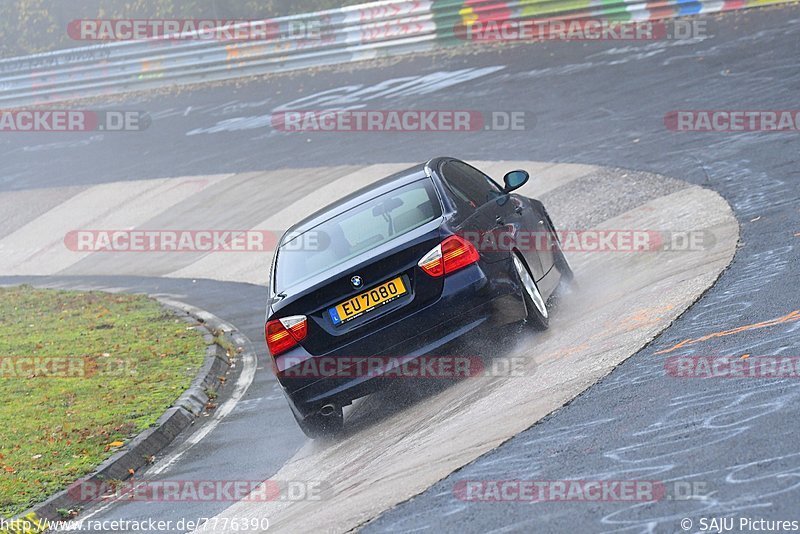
(327, 410)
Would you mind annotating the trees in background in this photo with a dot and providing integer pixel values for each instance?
(30, 26)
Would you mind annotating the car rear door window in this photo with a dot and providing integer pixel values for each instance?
(470, 187)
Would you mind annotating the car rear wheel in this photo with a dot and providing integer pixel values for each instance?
(538, 316)
(317, 426)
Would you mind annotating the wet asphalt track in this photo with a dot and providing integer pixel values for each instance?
(600, 103)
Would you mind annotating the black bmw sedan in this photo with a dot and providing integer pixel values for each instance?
(399, 270)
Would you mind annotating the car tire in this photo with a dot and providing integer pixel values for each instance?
(537, 315)
(317, 426)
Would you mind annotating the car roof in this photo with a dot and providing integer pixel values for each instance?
(358, 197)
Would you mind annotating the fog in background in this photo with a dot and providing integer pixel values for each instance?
(32, 26)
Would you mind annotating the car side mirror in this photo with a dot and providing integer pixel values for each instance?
(515, 180)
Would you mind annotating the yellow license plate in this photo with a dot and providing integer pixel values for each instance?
(368, 300)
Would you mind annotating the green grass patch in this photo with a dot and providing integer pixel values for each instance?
(79, 373)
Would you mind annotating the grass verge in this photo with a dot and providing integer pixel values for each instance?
(80, 373)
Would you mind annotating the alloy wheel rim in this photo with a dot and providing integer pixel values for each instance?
(530, 287)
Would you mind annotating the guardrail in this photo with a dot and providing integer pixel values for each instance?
(345, 35)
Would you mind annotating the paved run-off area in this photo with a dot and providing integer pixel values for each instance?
(389, 454)
(401, 441)
(48, 240)
(595, 104)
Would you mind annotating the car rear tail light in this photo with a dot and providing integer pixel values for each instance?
(432, 262)
(283, 334)
(449, 256)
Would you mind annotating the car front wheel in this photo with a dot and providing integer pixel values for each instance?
(538, 316)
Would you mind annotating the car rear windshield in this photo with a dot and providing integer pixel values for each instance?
(356, 231)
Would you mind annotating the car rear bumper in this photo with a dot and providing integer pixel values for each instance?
(471, 302)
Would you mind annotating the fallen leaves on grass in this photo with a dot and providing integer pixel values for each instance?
(77, 424)
(114, 445)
